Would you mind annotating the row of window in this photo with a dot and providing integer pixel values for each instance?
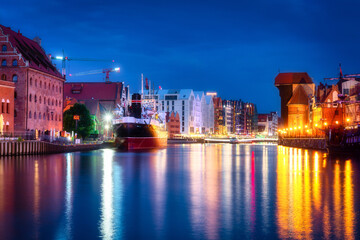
(5, 107)
(4, 63)
(14, 77)
(44, 115)
(49, 101)
(54, 88)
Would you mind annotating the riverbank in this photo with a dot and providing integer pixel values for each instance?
(11, 148)
(311, 143)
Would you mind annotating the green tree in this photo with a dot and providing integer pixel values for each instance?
(84, 126)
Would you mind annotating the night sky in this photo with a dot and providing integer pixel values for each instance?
(235, 48)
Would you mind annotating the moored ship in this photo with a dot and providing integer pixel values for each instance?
(142, 129)
(343, 139)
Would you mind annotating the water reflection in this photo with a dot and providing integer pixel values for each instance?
(198, 191)
(311, 195)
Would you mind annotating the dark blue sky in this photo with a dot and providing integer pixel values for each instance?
(235, 48)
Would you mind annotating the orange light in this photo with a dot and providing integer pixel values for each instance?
(337, 122)
(290, 129)
(316, 125)
(325, 123)
(306, 126)
(348, 119)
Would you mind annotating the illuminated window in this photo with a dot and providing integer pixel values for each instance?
(15, 78)
(15, 63)
(3, 63)
(4, 48)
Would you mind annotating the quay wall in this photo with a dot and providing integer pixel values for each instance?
(11, 148)
(312, 143)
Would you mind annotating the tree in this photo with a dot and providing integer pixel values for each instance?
(84, 126)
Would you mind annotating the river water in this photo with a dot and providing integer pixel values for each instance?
(193, 191)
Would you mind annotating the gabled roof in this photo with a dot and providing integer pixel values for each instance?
(299, 96)
(208, 99)
(31, 51)
(293, 78)
(102, 91)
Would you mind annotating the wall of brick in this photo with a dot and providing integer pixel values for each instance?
(7, 106)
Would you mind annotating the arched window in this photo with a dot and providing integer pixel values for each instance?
(52, 102)
(35, 98)
(4, 48)
(30, 114)
(3, 77)
(59, 89)
(52, 116)
(49, 101)
(39, 99)
(35, 115)
(59, 117)
(44, 85)
(30, 98)
(3, 63)
(35, 82)
(56, 103)
(48, 117)
(49, 86)
(53, 87)
(40, 84)
(15, 63)
(56, 88)
(55, 117)
(44, 116)
(15, 78)
(44, 100)
(39, 115)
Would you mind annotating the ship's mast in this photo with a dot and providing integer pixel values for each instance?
(142, 85)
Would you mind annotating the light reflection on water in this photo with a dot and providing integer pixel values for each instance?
(195, 191)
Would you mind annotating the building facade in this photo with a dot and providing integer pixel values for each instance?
(38, 84)
(7, 90)
(173, 124)
(195, 109)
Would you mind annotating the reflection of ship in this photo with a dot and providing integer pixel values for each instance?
(143, 129)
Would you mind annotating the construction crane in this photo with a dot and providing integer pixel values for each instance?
(107, 72)
(64, 58)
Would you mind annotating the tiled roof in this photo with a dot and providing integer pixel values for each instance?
(293, 78)
(31, 51)
(92, 90)
(299, 96)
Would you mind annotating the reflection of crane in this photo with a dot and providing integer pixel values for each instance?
(107, 72)
(64, 58)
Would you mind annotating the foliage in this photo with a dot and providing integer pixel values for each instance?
(85, 124)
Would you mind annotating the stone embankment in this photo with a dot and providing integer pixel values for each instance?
(312, 143)
(8, 148)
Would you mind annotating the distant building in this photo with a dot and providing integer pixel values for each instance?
(289, 84)
(7, 90)
(173, 124)
(195, 109)
(268, 124)
(38, 84)
(219, 127)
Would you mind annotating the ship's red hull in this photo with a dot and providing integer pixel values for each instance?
(140, 143)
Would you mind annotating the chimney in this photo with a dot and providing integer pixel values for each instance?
(38, 40)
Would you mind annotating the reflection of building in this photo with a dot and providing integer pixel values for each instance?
(300, 85)
(173, 124)
(38, 84)
(7, 107)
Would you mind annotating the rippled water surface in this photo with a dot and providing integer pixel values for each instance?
(194, 191)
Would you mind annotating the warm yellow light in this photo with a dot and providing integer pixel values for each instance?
(306, 126)
(325, 123)
(348, 119)
(337, 122)
(299, 127)
(287, 129)
(295, 128)
(316, 125)
(307, 130)
(290, 129)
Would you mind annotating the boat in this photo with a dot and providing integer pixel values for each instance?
(142, 128)
(343, 139)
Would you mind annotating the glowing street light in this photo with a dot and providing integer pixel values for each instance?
(108, 117)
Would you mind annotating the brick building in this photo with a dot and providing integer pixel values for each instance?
(7, 90)
(38, 84)
(173, 124)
